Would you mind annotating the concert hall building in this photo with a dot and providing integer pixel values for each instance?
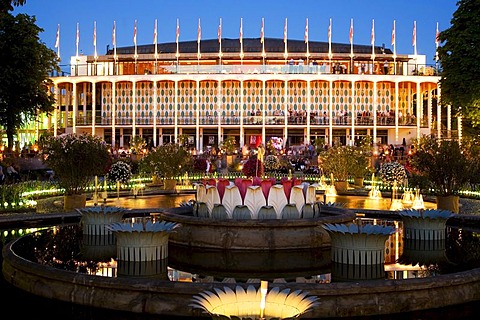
(252, 91)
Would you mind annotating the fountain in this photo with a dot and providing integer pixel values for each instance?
(236, 242)
(254, 303)
(374, 192)
(95, 220)
(396, 203)
(407, 198)
(418, 203)
(425, 224)
(330, 190)
(358, 250)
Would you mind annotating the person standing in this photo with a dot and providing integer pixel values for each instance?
(2, 175)
(13, 173)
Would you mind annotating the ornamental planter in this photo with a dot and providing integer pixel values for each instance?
(358, 182)
(450, 203)
(341, 186)
(358, 252)
(74, 201)
(140, 242)
(170, 184)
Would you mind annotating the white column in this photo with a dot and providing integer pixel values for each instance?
(75, 108)
(114, 111)
(374, 113)
(134, 110)
(155, 110)
(439, 113)
(429, 110)
(219, 112)
(330, 109)
(242, 131)
(309, 104)
(85, 100)
(419, 109)
(264, 97)
(94, 109)
(57, 106)
(285, 114)
(175, 131)
(395, 96)
(354, 115)
(68, 101)
(197, 116)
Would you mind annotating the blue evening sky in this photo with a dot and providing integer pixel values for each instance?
(426, 13)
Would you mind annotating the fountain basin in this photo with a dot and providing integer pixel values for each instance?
(167, 298)
(253, 234)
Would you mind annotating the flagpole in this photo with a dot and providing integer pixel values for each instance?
(241, 41)
(351, 45)
(135, 43)
(285, 39)
(95, 56)
(220, 54)
(114, 43)
(307, 54)
(330, 54)
(95, 40)
(177, 54)
(394, 48)
(77, 42)
(414, 43)
(373, 46)
(57, 41)
(262, 40)
(155, 36)
(199, 36)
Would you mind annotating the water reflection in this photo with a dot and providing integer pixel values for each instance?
(172, 201)
(67, 248)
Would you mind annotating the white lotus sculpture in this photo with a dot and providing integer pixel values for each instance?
(95, 220)
(254, 303)
(264, 200)
(142, 241)
(427, 224)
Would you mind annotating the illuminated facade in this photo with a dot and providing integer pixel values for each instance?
(298, 94)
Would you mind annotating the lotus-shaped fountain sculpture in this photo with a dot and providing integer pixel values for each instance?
(425, 224)
(255, 199)
(246, 304)
(142, 241)
(358, 251)
(95, 220)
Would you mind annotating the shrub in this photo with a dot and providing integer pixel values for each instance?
(119, 172)
(271, 163)
(391, 172)
(253, 168)
(75, 159)
(167, 161)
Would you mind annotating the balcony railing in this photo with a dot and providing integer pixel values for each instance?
(106, 69)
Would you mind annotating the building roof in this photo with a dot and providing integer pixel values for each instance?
(250, 45)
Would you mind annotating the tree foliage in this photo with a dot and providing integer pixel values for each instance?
(167, 160)
(446, 165)
(459, 56)
(25, 64)
(8, 5)
(76, 159)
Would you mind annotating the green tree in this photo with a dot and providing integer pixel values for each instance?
(8, 5)
(25, 64)
(459, 56)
